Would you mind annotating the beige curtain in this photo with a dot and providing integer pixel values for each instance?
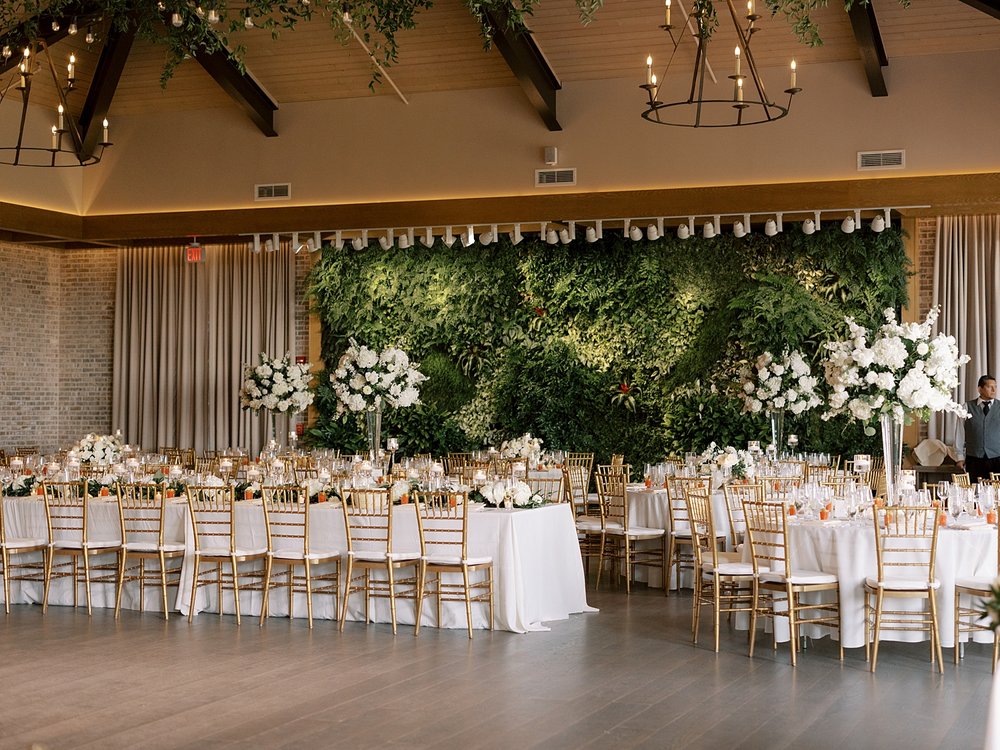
(966, 285)
(182, 333)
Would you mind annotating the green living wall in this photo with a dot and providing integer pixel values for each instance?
(612, 347)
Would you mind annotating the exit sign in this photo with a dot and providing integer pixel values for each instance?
(195, 253)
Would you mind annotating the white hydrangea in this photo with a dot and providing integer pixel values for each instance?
(275, 384)
(368, 380)
(784, 382)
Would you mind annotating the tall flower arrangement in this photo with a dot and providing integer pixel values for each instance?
(278, 385)
(784, 382)
(98, 449)
(366, 380)
(521, 447)
(897, 369)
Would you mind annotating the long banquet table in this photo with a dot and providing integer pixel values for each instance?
(538, 573)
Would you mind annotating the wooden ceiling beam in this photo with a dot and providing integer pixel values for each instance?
(18, 33)
(873, 57)
(990, 7)
(241, 87)
(527, 62)
(114, 55)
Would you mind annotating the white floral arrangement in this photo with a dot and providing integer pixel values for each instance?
(521, 447)
(97, 449)
(20, 485)
(278, 385)
(898, 369)
(741, 463)
(518, 495)
(366, 380)
(785, 382)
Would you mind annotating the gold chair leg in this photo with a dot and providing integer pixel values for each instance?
(347, 592)
(47, 578)
(6, 579)
(194, 587)
(142, 583)
(878, 628)
(958, 628)
(421, 580)
(793, 625)
(236, 590)
(265, 598)
(468, 601)
(392, 596)
(309, 592)
(716, 604)
(163, 586)
(935, 632)
(755, 592)
(86, 573)
(490, 577)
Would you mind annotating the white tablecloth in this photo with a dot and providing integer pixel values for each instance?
(538, 573)
(649, 508)
(848, 550)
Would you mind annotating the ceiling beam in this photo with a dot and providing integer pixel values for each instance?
(18, 33)
(990, 7)
(869, 39)
(241, 86)
(114, 55)
(527, 62)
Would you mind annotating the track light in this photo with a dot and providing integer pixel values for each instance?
(385, 242)
(269, 246)
(487, 237)
(338, 240)
(651, 233)
(317, 242)
(847, 225)
(448, 238)
(295, 243)
(739, 230)
(55, 26)
(361, 243)
(551, 237)
(428, 239)
(682, 232)
(177, 20)
(878, 223)
(708, 231)
(213, 16)
(635, 234)
(770, 228)
(406, 240)
(565, 237)
(595, 233)
(468, 236)
(515, 235)
(256, 243)
(808, 226)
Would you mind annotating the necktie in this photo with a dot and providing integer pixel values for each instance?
(986, 408)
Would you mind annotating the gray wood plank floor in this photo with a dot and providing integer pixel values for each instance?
(627, 677)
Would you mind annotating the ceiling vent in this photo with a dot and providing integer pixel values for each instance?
(280, 191)
(547, 177)
(871, 160)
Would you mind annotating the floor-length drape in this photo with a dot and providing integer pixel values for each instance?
(966, 284)
(182, 333)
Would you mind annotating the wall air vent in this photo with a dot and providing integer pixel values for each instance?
(871, 160)
(280, 191)
(547, 177)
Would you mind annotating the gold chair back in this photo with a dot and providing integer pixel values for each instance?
(611, 489)
(142, 513)
(576, 488)
(444, 523)
(213, 518)
(67, 510)
(677, 489)
(767, 535)
(736, 494)
(550, 488)
(288, 514)
(368, 519)
(906, 542)
(961, 480)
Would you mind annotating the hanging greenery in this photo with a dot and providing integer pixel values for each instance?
(543, 339)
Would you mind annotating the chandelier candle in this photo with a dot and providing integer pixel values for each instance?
(793, 75)
(667, 24)
(649, 70)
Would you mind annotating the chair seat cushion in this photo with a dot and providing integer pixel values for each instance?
(456, 560)
(224, 552)
(293, 556)
(16, 544)
(588, 524)
(975, 584)
(153, 547)
(800, 577)
(729, 568)
(903, 584)
(634, 532)
(78, 544)
(736, 556)
(376, 556)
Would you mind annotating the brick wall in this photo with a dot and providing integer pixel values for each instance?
(925, 237)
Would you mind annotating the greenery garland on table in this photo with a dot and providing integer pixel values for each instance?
(540, 338)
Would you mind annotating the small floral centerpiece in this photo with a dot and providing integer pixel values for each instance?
(320, 490)
(102, 486)
(521, 447)
(366, 380)
(741, 463)
(499, 494)
(775, 383)
(897, 369)
(19, 486)
(278, 385)
(98, 449)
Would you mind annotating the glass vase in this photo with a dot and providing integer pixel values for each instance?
(777, 417)
(373, 419)
(892, 450)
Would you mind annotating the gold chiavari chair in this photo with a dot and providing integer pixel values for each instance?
(970, 619)
(471, 467)
(589, 520)
(228, 471)
(906, 548)
(213, 521)
(13, 549)
(368, 519)
(206, 465)
(619, 538)
(724, 585)
(67, 511)
(454, 462)
(961, 480)
(445, 524)
(583, 460)
(210, 454)
(994, 476)
(288, 513)
(778, 488)
(617, 459)
(774, 572)
(575, 483)
(680, 548)
(142, 516)
(550, 488)
(735, 495)
(26, 450)
(304, 473)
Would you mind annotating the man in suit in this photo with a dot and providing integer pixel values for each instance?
(977, 441)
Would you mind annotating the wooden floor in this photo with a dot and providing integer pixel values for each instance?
(626, 677)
